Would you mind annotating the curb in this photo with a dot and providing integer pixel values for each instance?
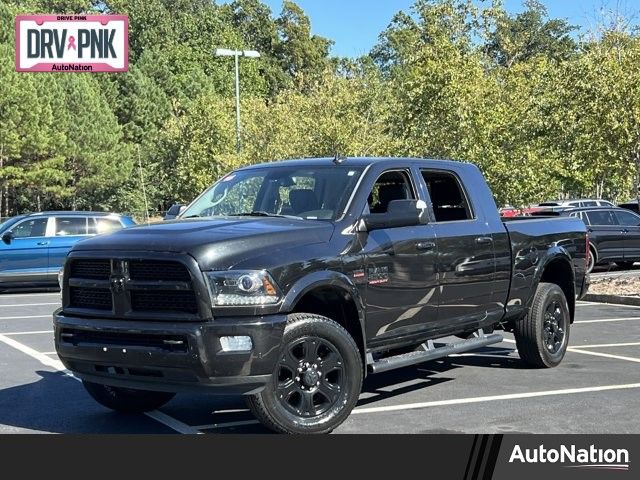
(621, 300)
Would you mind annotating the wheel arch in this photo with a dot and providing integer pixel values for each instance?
(558, 269)
(333, 295)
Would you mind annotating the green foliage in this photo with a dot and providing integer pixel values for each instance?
(542, 114)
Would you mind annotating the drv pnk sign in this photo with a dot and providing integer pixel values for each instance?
(72, 43)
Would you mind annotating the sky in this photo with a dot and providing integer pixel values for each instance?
(354, 25)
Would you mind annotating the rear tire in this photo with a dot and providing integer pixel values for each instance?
(542, 336)
(316, 382)
(126, 400)
(592, 259)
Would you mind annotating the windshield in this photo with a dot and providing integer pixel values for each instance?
(9, 221)
(314, 193)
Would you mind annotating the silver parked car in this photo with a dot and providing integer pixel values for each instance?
(577, 202)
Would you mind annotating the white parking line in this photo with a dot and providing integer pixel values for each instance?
(605, 355)
(604, 345)
(49, 353)
(26, 317)
(34, 332)
(604, 320)
(591, 304)
(29, 304)
(158, 416)
(595, 354)
(214, 426)
(41, 357)
(173, 423)
(493, 398)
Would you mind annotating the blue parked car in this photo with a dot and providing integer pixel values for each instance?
(34, 246)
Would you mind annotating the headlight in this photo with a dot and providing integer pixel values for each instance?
(60, 277)
(242, 287)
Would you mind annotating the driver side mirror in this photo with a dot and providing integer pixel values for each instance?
(174, 211)
(400, 213)
(7, 237)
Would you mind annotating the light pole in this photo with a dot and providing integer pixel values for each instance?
(225, 52)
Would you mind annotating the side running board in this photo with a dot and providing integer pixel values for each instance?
(428, 351)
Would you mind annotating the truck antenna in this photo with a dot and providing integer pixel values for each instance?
(338, 159)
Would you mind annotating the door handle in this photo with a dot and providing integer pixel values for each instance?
(484, 240)
(42, 243)
(425, 245)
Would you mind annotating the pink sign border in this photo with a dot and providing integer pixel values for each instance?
(97, 67)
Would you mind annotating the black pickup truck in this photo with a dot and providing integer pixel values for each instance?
(289, 282)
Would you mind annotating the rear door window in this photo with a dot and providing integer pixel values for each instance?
(628, 219)
(590, 203)
(450, 201)
(601, 218)
(66, 226)
(103, 225)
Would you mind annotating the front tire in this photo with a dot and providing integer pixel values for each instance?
(316, 382)
(542, 336)
(126, 400)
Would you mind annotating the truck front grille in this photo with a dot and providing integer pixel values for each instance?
(152, 270)
(93, 298)
(164, 301)
(96, 269)
(130, 288)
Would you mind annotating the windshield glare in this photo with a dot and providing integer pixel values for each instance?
(315, 193)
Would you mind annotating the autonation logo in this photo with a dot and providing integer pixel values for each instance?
(574, 457)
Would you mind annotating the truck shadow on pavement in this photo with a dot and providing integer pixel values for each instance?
(410, 379)
(59, 404)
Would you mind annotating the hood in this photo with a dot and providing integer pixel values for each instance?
(214, 242)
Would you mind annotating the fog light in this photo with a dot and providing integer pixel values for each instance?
(239, 343)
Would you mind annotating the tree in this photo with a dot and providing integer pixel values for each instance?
(302, 55)
(518, 38)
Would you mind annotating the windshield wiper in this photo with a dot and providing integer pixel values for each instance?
(261, 213)
(256, 213)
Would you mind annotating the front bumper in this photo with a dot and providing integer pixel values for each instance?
(170, 356)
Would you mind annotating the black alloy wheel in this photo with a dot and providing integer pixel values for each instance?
(310, 377)
(554, 326)
(316, 381)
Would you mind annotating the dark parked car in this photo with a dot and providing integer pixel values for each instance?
(630, 205)
(289, 282)
(614, 234)
(34, 246)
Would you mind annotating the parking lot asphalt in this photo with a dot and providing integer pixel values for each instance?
(595, 389)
